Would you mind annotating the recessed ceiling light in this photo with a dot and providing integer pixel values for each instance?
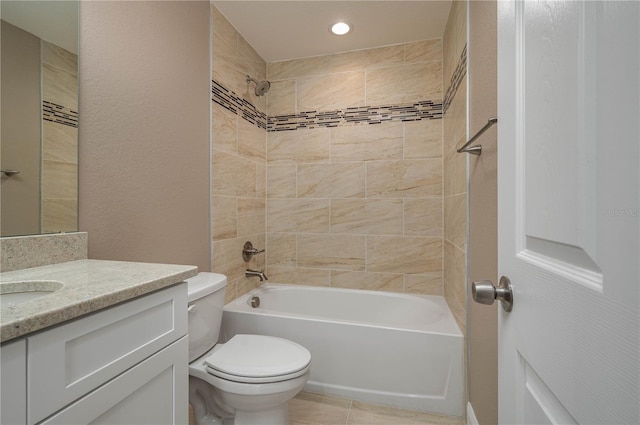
(340, 28)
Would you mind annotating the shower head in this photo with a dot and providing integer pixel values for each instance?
(262, 87)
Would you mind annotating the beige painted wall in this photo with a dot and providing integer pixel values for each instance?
(239, 156)
(483, 247)
(21, 106)
(455, 164)
(144, 133)
(357, 205)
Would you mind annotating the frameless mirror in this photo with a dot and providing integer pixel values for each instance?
(39, 141)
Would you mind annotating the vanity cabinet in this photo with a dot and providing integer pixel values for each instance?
(13, 382)
(126, 364)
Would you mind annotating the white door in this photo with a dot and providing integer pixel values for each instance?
(568, 211)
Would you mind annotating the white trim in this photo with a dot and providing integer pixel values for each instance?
(471, 415)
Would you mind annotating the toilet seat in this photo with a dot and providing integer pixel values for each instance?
(258, 359)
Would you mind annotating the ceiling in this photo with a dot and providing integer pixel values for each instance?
(53, 21)
(282, 30)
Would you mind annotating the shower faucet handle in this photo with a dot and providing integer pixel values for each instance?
(249, 251)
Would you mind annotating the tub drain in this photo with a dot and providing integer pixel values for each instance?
(255, 302)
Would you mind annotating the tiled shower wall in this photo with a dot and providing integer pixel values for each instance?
(455, 164)
(59, 139)
(238, 157)
(354, 170)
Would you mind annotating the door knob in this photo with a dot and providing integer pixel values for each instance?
(484, 292)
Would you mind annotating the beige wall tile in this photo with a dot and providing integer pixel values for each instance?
(281, 99)
(59, 86)
(403, 172)
(59, 58)
(367, 216)
(59, 142)
(246, 285)
(281, 181)
(330, 92)
(223, 28)
(402, 84)
(59, 180)
(261, 180)
(337, 252)
(396, 254)
(281, 249)
(233, 175)
(299, 145)
(299, 276)
(228, 258)
(423, 51)
(366, 142)
(410, 178)
(298, 215)
(251, 216)
(59, 215)
(224, 63)
(345, 180)
(317, 65)
(252, 140)
(424, 284)
(423, 139)
(224, 212)
(369, 281)
(255, 65)
(224, 129)
(458, 310)
(423, 216)
(369, 58)
(455, 213)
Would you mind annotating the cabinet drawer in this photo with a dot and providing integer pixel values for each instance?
(69, 361)
(153, 392)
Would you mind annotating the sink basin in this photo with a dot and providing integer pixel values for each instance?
(14, 293)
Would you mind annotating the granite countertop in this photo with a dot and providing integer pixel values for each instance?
(88, 286)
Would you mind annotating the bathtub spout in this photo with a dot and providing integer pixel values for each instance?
(259, 273)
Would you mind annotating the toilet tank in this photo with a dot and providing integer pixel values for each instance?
(206, 301)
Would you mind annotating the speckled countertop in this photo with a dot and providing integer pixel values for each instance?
(87, 286)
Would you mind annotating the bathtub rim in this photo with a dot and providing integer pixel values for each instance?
(242, 306)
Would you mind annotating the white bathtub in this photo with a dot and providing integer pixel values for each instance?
(379, 347)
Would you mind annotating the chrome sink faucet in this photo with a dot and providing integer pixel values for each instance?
(259, 273)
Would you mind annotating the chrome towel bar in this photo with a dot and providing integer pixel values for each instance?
(477, 150)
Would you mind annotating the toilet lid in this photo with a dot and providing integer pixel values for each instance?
(258, 356)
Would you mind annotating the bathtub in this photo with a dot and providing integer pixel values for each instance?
(396, 349)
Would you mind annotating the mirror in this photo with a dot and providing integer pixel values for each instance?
(39, 141)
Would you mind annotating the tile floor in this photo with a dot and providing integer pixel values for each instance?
(316, 409)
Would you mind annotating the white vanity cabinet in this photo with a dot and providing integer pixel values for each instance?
(126, 364)
(13, 382)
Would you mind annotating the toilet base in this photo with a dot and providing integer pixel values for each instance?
(277, 416)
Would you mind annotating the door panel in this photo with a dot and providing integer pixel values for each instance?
(568, 196)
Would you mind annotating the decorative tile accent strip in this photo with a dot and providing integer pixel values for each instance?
(234, 103)
(423, 110)
(59, 114)
(456, 79)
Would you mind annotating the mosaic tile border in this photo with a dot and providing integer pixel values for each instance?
(456, 79)
(421, 110)
(234, 103)
(59, 114)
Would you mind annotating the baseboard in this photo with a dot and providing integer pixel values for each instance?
(471, 416)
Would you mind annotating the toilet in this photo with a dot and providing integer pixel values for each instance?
(248, 380)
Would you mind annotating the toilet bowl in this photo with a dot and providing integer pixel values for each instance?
(247, 380)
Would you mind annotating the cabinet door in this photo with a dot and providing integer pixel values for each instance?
(73, 359)
(154, 392)
(13, 383)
